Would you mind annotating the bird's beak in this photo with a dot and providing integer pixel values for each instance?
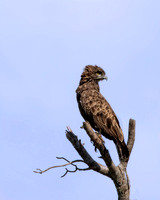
(105, 77)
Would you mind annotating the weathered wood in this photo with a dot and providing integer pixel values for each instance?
(117, 173)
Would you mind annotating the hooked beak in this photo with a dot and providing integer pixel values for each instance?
(102, 77)
(105, 77)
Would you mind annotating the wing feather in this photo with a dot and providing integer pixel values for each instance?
(95, 109)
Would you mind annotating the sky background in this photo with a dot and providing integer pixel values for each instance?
(44, 46)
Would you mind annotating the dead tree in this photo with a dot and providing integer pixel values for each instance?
(117, 173)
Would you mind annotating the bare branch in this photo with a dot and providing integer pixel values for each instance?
(92, 164)
(69, 163)
(131, 135)
(76, 168)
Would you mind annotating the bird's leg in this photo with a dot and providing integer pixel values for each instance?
(100, 136)
(82, 127)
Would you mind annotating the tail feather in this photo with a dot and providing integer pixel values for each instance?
(122, 149)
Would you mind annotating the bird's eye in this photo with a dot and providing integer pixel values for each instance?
(99, 73)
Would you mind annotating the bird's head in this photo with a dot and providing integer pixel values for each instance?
(93, 73)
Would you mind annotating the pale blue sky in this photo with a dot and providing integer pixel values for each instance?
(44, 46)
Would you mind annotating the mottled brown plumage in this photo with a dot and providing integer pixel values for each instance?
(96, 110)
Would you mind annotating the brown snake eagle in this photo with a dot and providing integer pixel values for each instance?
(95, 109)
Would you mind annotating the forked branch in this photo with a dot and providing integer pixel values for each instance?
(117, 173)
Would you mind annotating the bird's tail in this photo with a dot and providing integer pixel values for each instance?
(122, 149)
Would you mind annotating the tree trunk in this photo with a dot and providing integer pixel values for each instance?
(122, 185)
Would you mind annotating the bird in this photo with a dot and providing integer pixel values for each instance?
(95, 109)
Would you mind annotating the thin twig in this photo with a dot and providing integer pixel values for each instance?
(76, 169)
(69, 163)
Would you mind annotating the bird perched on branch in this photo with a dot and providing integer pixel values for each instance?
(95, 109)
